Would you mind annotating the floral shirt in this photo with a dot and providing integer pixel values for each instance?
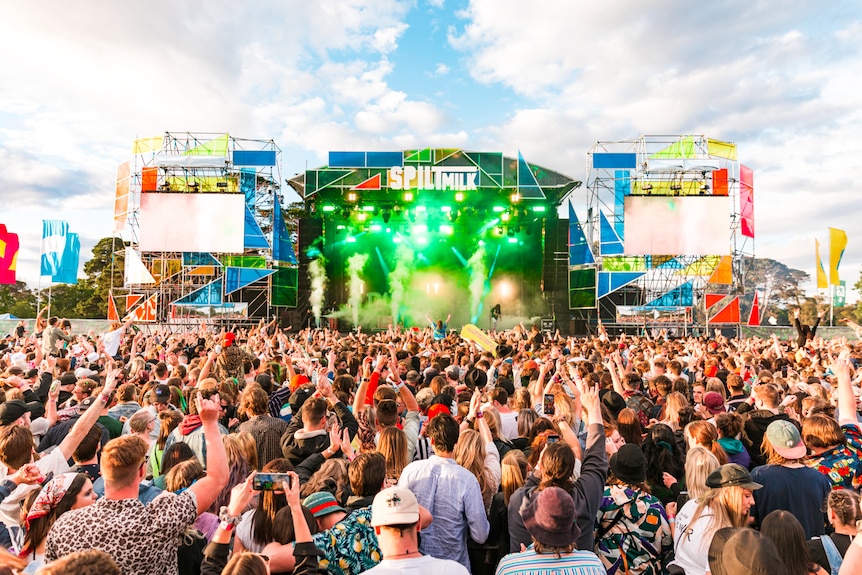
(842, 464)
(640, 541)
(350, 546)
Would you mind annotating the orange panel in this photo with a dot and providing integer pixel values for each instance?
(723, 273)
(719, 182)
(754, 316)
(713, 298)
(727, 314)
(149, 179)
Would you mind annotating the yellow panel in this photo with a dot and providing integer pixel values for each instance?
(144, 145)
(723, 273)
(205, 184)
(172, 267)
(721, 149)
(702, 267)
(663, 188)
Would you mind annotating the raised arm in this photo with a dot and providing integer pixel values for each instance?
(846, 399)
(210, 486)
(76, 435)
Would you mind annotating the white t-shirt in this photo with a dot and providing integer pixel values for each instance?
(10, 509)
(509, 424)
(425, 565)
(690, 541)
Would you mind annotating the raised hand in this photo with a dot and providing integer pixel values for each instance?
(208, 409)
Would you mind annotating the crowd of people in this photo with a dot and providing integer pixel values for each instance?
(264, 450)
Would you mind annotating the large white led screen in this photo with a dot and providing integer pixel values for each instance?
(677, 225)
(190, 222)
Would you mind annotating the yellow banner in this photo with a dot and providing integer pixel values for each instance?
(144, 145)
(822, 282)
(837, 243)
(472, 333)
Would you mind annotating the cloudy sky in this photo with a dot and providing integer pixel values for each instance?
(82, 80)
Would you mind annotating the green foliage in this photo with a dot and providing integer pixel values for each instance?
(18, 300)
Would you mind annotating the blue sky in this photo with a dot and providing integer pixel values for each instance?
(82, 80)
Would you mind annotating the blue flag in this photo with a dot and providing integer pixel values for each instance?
(68, 272)
(53, 245)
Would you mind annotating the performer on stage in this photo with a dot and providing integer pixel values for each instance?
(440, 327)
(496, 313)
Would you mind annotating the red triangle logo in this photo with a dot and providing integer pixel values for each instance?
(728, 314)
(372, 183)
(112, 309)
(712, 299)
(754, 315)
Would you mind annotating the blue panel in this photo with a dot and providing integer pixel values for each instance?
(615, 161)
(282, 248)
(610, 282)
(384, 159)
(68, 272)
(678, 297)
(237, 278)
(254, 238)
(210, 294)
(194, 259)
(622, 188)
(671, 264)
(528, 187)
(609, 242)
(247, 185)
(254, 157)
(579, 249)
(346, 159)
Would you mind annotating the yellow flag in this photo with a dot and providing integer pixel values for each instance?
(837, 243)
(822, 282)
(472, 333)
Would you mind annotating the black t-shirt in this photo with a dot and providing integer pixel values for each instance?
(818, 554)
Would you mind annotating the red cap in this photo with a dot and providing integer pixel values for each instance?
(437, 409)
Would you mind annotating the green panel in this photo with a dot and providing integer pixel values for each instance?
(459, 158)
(510, 173)
(310, 182)
(683, 148)
(624, 264)
(582, 288)
(214, 147)
(256, 262)
(328, 177)
(419, 156)
(491, 166)
(284, 287)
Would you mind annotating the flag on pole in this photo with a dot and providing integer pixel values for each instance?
(822, 282)
(837, 243)
(8, 255)
(53, 245)
(68, 272)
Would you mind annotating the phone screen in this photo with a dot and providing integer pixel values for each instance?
(269, 481)
(553, 439)
(548, 404)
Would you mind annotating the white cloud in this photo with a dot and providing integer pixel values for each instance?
(441, 69)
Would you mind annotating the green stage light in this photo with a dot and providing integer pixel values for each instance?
(513, 240)
(447, 230)
(351, 240)
(538, 208)
(367, 208)
(340, 227)
(328, 208)
(459, 196)
(481, 243)
(505, 217)
(376, 228)
(498, 209)
(445, 209)
(396, 240)
(420, 229)
(361, 216)
(408, 197)
(422, 240)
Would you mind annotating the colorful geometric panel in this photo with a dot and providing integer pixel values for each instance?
(132, 299)
(615, 161)
(579, 250)
(609, 242)
(610, 282)
(754, 314)
(253, 238)
(624, 264)
(528, 187)
(282, 247)
(678, 297)
(418, 156)
(237, 278)
(9, 245)
(202, 184)
(121, 197)
(254, 157)
(210, 294)
(683, 148)
(727, 314)
(145, 312)
(248, 185)
(723, 273)
(257, 262)
(372, 183)
(746, 200)
(582, 289)
(145, 145)
(719, 182)
(622, 188)
(214, 147)
(202, 271)
(199, 259)
(284, 287)
(705, 266)
(721, 149)
(710, 299)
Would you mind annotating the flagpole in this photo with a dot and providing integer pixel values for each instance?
(831, 305)
(50, 285)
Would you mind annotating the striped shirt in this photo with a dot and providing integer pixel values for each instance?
(574, 563)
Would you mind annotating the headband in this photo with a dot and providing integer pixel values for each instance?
(50, 497)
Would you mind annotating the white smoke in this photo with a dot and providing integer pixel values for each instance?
(317, 275)
(354, 266)
(399, 279)
(477, 282)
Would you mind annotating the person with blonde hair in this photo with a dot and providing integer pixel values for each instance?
(393, 446)
(725, 504)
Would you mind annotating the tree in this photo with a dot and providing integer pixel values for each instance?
(17, 299)
(780, 288)
(104, 273)
(66, 298)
